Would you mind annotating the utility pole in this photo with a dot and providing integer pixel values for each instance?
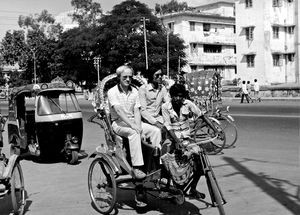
(168, 63)
(34, 66)
(178, 64)
(97, 65)
(145, 40)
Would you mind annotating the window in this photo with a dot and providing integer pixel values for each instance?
(290, 57)
(212, 48)
(206, 27)
(194, 68)
(194, 49)
(250, 60)
(192, 26)
(248, 3)
(276, 3)
(275, 32)
(171, 26)
(290, 29)
(276, 60)
(249, 33)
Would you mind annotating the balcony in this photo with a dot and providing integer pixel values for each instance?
(210, 38)
(212, 59)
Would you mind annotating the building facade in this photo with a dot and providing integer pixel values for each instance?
(209, 35)
(267, 41)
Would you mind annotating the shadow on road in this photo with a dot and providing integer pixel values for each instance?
(271, 186)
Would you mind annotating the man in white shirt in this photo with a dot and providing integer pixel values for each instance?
(244, 92)
(256, 90)
(124, 104)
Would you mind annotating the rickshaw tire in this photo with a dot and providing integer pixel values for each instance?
(18, 204)
(112, 181)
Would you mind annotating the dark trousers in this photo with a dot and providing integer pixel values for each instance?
(244, 95)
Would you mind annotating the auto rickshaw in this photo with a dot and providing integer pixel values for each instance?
(45, 120)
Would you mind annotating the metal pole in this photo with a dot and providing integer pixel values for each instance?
(168, 72)
(145, 41)
(178, 64)
(34, 67)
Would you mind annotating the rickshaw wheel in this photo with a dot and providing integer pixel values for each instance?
(72, 157)
(102, 186)
(15, 150)
(17, 190)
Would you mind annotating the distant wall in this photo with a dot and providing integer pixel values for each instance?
(267, 91)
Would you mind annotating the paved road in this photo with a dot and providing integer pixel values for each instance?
(260, 176)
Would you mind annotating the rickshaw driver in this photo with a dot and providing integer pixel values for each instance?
(125, 106)
(176, 114)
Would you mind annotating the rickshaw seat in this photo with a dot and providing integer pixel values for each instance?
(29, 122)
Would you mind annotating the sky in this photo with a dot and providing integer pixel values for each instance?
(10, 10)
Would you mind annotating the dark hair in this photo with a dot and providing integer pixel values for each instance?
(255, 80)
(244, 82)
(176, 89)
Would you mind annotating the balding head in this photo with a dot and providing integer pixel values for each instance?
(122, 69)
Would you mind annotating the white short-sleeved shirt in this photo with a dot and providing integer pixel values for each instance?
(256, 86)
(128, 102)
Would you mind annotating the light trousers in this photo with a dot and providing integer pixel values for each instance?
(135, 147)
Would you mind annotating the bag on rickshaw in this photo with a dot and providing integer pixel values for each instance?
(179, 169)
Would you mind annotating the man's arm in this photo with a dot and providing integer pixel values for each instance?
(143, 101)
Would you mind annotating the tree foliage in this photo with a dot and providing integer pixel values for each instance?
(170, 7)
(35, 43)
(86, 12)
(121, 39)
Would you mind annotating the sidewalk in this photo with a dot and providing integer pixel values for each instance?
(296, 99)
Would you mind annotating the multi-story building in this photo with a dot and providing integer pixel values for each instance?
(209, 34)
(267, 40)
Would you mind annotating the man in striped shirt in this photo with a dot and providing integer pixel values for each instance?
(176, 114)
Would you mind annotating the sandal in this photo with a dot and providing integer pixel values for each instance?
(196, 194)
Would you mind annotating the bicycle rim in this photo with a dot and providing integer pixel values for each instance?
(17, 190)
(230, 131)
(102, 186)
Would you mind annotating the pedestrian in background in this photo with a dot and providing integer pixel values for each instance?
(256, 91)
(244, 92)
(249, 91)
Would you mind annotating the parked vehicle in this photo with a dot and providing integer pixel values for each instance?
(45, 120)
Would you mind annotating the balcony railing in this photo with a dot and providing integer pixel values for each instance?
(211, 59)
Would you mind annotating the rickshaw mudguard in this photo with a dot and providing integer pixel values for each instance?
(111, 161)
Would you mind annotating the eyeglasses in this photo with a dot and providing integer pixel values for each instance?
(127, 77)
(157, 75)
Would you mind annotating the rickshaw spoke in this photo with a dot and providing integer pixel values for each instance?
(102, 186)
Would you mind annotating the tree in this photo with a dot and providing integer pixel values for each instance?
(86, 12)
(170, 7)
(35, 43)
(121, 39)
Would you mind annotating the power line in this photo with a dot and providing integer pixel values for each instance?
(14, 11)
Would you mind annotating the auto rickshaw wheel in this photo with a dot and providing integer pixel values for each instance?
(72, 157)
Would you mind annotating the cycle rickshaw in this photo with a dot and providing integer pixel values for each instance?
(206, 90)
(11, 180)
(45, 120)
(111, 165)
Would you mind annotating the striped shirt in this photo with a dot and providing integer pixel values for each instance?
(179, 124)
(128, 102)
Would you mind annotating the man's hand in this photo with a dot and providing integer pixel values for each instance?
(159, 125)
(137, 128)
